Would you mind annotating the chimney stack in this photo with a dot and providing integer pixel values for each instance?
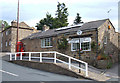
(14, 23)
(45, 28)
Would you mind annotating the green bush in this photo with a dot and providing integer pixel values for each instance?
(62, 43)
(109, 64)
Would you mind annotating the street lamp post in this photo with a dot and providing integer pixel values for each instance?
(79, 32)
(79, 54)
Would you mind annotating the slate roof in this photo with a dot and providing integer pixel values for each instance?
(93, 24)
(71, 29)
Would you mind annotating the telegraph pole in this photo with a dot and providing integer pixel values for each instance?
(17, 25)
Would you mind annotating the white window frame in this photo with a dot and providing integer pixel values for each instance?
(82, 40)
(6, 32)
(89, 46)
(105, 40)
(43, 42)
(72, 46)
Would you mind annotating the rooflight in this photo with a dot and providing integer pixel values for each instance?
(68, 27)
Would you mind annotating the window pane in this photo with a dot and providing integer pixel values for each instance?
(75, 46)
(85, 46)
(46, 42)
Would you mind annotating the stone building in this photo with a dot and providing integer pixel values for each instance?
(97, 37)
(8, 43)
(119, 40)
(0, 39)
(119, 45)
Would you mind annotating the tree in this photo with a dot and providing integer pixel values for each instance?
(49, 21)
(4, 24)
(60, 20)
(61, 15)
(78, 19)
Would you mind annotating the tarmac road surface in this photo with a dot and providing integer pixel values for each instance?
(13, 72)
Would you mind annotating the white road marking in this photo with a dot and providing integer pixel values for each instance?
(8, 73)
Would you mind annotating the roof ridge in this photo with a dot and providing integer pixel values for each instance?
(97, 20)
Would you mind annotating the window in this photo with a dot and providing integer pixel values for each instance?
(6, 43)
(6, 32)
(9, 32)
(75, 46)
(47, 42)
(1, 44)
(9, 42)
(2, 34)
(85, 44)
(105, 40)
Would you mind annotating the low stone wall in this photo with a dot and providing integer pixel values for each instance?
(104, 64)
(49, 67)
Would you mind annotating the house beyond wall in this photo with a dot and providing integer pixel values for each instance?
(9, 35)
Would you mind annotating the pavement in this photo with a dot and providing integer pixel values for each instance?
(101, 74)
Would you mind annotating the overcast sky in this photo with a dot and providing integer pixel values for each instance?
(31, 11)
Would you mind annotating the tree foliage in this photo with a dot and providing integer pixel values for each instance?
(78, 19)
(61, 15)
(49, 21)
(60, 20)
(4, 24)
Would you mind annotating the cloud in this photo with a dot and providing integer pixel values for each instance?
(33, 10)
(32, 22)
(115, 24)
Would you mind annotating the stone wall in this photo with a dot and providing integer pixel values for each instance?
(119, 45)
(22, 34)
(34, 45)
(11, 38)
(49, 67)
(119, 41)
(111, 47)
(6, 40)
(0, 41)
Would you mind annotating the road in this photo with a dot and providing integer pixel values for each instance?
(13, 72)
